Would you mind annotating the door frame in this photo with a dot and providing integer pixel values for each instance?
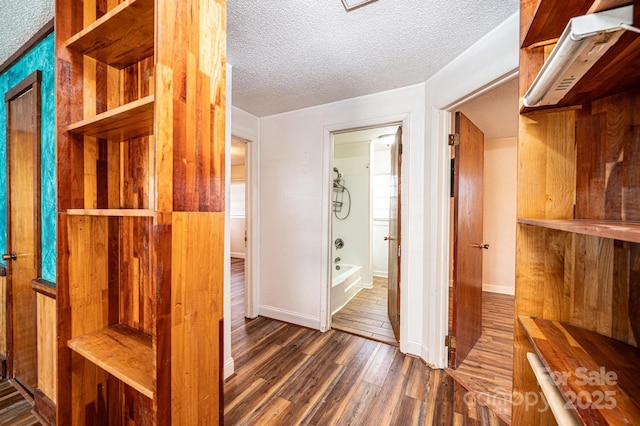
(32, 82)
(491, 61)
(327, 213)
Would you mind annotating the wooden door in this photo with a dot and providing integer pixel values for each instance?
(393, 282)
(23, 232)
(466, 325)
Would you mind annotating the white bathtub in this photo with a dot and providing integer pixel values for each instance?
(345, 284)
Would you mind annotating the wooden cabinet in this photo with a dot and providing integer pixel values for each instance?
(140, 116)
(578, 232)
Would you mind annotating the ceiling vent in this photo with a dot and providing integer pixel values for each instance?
(354, 4)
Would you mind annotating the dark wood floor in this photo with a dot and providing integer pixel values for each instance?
(290, 375)
(488, 369)
(14, 409)
(367, 315)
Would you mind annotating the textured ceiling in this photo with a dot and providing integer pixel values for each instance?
(292, 54)
(19, 21)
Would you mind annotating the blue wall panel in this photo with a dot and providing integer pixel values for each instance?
(40, 57)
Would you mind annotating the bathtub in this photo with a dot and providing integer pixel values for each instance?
(345, 284)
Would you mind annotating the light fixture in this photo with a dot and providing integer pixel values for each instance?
(354, 4)
(585, 40)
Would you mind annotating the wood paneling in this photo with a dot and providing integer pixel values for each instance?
(577, 250)
(47, 348)
(3, 317)
(15, 410)
(195, 365)
(190, 111)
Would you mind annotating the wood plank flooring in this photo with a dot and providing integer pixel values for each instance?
(367, 315)
(14, 409)
(291, 375)
(488, 369)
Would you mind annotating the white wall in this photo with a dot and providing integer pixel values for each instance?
(354, 229)
(295, 194)
(500, 185)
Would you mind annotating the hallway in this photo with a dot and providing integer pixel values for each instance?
(291, 375)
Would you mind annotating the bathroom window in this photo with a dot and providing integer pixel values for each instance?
(381, 192)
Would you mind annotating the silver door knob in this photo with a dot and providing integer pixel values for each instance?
(389, 238)
(482, 246)
(9, 256)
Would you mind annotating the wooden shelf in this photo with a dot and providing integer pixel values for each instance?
(618, 230)
(112, 212)
(598, 373)
(121, 37)
(134, 119)
(122, 351)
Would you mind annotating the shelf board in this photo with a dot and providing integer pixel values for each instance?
(589, 365)
(122, 351)
(112, 212)
(618, 230)
(121, 37)
(134, 119)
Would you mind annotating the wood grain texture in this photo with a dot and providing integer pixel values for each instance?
(46, 345)
(590, 365)
(367, 315)
(131, 120)
(287, 374)
(190, 102)
(3, 316)
(619, 230)
(548, 20)
(197, 306)
(122, 351)
(15, 410)
(121, 37)
(466, 321)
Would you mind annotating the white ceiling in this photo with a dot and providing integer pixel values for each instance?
(292, 54)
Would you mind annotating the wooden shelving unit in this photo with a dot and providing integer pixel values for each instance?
(121, 37)
(578, 232)
(595, 374)
(122, 351)
(618, 230)
(132, 120)
(140, 148)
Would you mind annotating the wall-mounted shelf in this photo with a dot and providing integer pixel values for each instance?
(134, 119)
(618, 230)
(121, 37)
(121, 351)
(598, 373)
(112, 212)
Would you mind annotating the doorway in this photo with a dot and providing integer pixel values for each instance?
(238, 214)
(364, 197)
(488, 368)
(22, 255)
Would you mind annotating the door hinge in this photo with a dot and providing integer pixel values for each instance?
(450, 341)
(454, 139)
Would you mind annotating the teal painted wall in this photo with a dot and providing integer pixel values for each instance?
(40, 57)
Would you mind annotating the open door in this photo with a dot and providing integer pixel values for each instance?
(466, 325)
(393, 298)
(23, 231)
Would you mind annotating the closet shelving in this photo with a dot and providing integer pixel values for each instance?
(140, 140)
(578, 232)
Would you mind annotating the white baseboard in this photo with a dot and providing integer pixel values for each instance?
(289, 316)
(237, 254)
(501, 289)
(229, 368)
(381, 274)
